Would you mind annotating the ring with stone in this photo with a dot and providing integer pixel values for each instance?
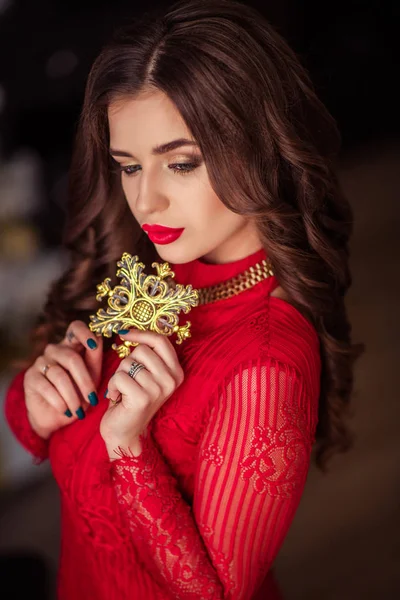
(135, 368)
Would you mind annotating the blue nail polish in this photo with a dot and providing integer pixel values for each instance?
(93, 398)
(68, 413)
(91, 343)
(105, 393)
(80, 413)
(123, 331)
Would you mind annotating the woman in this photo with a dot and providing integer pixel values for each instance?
(181, 466)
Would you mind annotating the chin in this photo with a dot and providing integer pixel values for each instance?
(169, 254)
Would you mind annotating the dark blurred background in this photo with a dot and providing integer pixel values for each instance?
(344, 541)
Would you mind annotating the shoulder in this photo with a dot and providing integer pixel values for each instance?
(280, 332)
(287, 323)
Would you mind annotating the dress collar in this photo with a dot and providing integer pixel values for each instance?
(202, 274)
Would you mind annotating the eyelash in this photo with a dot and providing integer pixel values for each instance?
(190, 167)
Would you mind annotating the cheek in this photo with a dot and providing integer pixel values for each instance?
(215, 211)
(126, 185)
(207, 206)
(202, 211)
(214, 218)
(129, 190)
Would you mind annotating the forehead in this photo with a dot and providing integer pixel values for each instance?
(150, 116)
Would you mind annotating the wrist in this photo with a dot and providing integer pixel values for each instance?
(120, 448)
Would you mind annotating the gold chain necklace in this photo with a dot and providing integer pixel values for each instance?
(237, 284)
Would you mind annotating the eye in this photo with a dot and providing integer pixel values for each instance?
(184, 168)
(128, 170)
(181, 168)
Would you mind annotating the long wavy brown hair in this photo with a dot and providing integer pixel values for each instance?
(270, 148)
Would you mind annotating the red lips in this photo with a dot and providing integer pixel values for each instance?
(162, 235)
(159, 228)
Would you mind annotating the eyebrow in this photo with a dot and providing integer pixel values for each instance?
(162, 149)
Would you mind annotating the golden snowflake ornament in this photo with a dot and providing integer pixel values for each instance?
(146, 302)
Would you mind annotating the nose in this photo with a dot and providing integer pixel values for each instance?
(150, 198)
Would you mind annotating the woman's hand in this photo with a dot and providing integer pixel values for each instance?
(140, 398)
(63, 394)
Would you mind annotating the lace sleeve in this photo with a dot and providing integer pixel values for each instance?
(17, 418)
(252, 466)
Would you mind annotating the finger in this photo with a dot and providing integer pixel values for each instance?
(161, 346)
(132, 391)
(61, 382)
(74, 364)
(46, 394)
(147, 357)
(153, 364)
(78, 335)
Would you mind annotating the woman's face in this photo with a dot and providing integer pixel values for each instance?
(172, 188)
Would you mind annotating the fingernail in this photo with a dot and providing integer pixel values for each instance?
(91, 343)
(68, 413)
(80, 413)
(105, 393)
(93, 398)
(123, 331)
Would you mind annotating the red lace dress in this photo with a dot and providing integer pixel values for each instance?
(202, 512)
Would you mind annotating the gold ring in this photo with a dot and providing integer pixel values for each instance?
(45, 369)
(117, 401)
